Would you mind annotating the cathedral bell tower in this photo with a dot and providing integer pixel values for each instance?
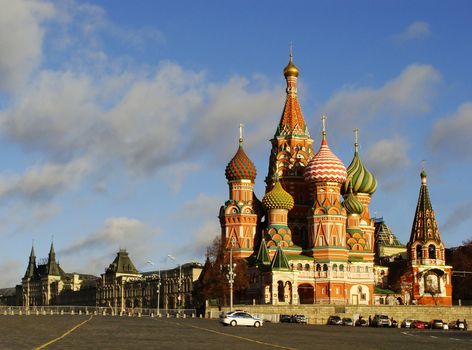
(427, 280)
(238, 218)
(291, 151)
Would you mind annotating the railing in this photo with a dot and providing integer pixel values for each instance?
(94, 310)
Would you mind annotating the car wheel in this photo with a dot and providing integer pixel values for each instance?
(232, 323)
(257, 324)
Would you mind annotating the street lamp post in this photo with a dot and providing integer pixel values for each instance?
(231, 275)
(158, 287)
(179, 284)
(158, 293)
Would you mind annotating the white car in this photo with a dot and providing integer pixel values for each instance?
(240, 318)
(406, 323)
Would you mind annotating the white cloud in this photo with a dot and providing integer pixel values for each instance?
(96, 251)
(231, 103)
(21, 39)
(43, 181)
(200, 239)
(387, 156)
(411, 91)
(418, 30)
(457, 216)
(452, 134)
(12, 272)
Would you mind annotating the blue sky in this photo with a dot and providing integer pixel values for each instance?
(117, 119)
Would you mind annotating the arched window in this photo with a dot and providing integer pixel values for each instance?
(335, 267)
(419, 252)
(307, 267)
(432, 251)
(299, 267)
(318, 267)
(325, 267)
(341, 267)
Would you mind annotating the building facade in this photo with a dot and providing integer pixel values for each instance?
(312, 239)
(47, 284)
(123, 288)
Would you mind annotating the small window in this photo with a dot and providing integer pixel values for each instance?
(318, 267)
(307, 267)
(335, 267)
(341, 267)
(325, 267)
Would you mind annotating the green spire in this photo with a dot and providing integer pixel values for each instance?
(351, 203)
(263, 254)
(280, 261)
(424, 226)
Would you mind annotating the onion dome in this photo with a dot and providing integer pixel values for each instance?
(325, 166)
(362, 180)
(352, 204)
(291, 70)
(241, 167)
(278, 198)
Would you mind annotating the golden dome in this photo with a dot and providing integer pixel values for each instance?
(291, 70)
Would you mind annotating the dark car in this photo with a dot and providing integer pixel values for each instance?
(361, 323)
(436, 324)
(299, 319)
(335, 321)
(457, 325)
(285, 318)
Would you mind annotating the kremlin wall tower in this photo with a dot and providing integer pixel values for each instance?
(311, 240)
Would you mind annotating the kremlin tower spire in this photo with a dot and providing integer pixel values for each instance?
(238, 216)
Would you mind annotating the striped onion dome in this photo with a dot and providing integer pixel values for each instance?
(278, 198)
(240, 167)
(351, 203)
(325, 166)
(362, 180)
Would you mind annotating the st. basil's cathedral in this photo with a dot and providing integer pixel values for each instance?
(311, 240)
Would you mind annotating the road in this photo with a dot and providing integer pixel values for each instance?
(107, 332)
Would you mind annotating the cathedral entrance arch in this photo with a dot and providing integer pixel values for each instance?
(306, 293)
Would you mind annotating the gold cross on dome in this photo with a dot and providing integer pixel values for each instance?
(323, 123)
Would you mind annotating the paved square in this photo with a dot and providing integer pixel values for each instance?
(106, 332)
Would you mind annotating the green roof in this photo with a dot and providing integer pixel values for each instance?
(378, 290)
(122, 263)
(280, 261)
(263, 254)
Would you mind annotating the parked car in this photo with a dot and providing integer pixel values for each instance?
(360, 322)
(240, 318)
(285, 318)
(299, 319)
(393, 323)
(457, 325)
(406, 323)
(381, 321)
(436, 324)
(335, 321)
(418, 324)
(347, 321)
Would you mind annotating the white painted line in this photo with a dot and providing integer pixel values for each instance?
(433, 336)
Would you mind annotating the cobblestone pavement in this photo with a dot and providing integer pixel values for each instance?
(107, 332)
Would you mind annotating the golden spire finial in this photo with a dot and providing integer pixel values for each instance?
(291, 70)
(291, 52)
(356, 139)
(323, 123)
(241, 133)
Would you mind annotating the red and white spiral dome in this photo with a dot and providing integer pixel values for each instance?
(325, 166)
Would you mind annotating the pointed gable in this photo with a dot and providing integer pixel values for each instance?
(263, 254)
(280, 261)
